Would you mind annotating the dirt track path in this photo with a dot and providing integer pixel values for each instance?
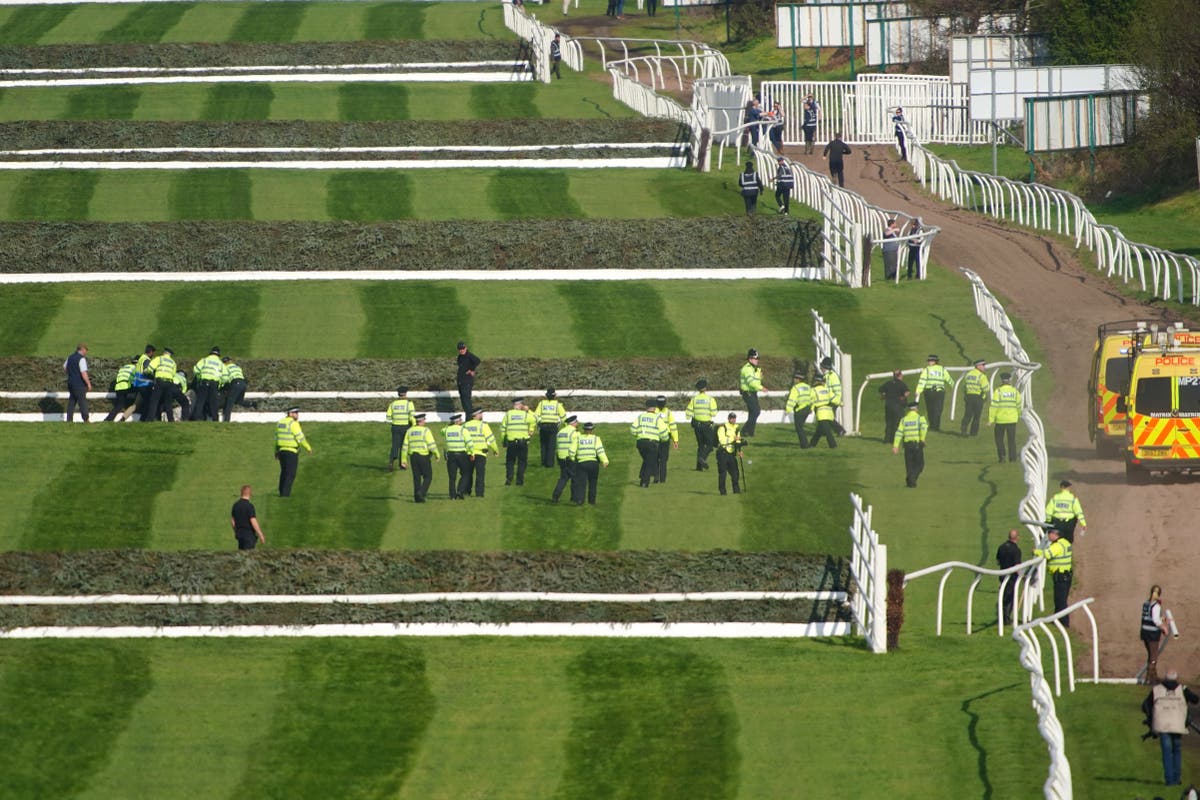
(1137, 535)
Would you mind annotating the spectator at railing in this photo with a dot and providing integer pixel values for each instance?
(891, 250)
(776, 131)
(751, 119)
(898, 121)
(915, 230)
(811, 112)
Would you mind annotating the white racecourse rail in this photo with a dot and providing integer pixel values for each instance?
(1168, 275)
(868, 576)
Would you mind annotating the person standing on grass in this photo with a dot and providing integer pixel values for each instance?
(163, 369)
(835, 149)
(459, 447)
(234, 382)
(749, 385)
(515, 431)
(648, 430)
(911, 434)
(566, 444)
(975, 389)
(750, 186)
(1004, 412)
(667, 442)
(799, 405)
(244, 521)
(1060, 565)
(823, 413)
(1166, 708)
(914, 249)
(208, 381)
(468, 364)
(1008, 555)
(589, 457)
(419, 448)
(400, 419)
(891, 250)
(482, 442)
(785, 181)
(702, 411)
(289, 438)
(932, 384)
(729, 450)
(894, 395)
(550, 413)
(1154, 625)
(78, 383)
(556, 50)
(123, 394)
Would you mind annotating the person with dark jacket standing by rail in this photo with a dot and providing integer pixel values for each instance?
(556, 57)
(78, 383)
(894, 395)
(468, 363)
(834, 150)
(1008, 555)
(785, 181)
(749, 185)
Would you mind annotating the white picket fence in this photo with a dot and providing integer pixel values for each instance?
(1168, 275)
(868, 577)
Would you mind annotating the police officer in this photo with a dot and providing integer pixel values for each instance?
(975, 388)
(123, 394)
(648, 430)
(233, 381)
(459, 448)
(550, 413)
(589, 457)
(750, 384)
(400, 418)
(799, 405)
(468, 364)
(749, 185)
(932, 384)
(785, 181)
(208, 381)
(894, 395)
(78, 382)
(671, 440)
(833, 382)
(419, 447)
(482, 442)
(1058, 562)
(566, 443)
(1004, 412)
(179, 395)
(823, 412)
(911, 434)
(143, 381)
(729, 450)
(1064, 512)
(162, 369)
(289, 438)
(702, 410)
(515, 430)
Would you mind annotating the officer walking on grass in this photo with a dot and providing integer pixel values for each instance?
(911, 435)
(665, 444)
(894, 395)
(419, 447)
(566, 444)
(459, 447)
(785, 182)
(1004, 412)
(482, 442)
(400, 419)
(799, 405)
(289, 438)
(648, 430)
(975, 389)
(1058, 562)
(702, 410)
(932, 384)
(823, 412)
(729, 450)
(589, 457)
(750, 186)
(750, 384)
(208, 381)
(515, 431)
(550, 413)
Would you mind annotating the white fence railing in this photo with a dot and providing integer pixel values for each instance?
(1168, 275)
(868, 577)
(826, 346)
(1027, 577)
(526, 26)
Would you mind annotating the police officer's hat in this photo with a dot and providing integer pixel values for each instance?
(1064, 484)
(819, 379)
(571, 420)
(293, 410)
(476, 412)
(652, 402)
(518, 400)
(455, 417)
(732, 416)
(751, 353)
(1006, 376)
(589, 426)
(226, 360)
(419, 416)
(550, 393)
(401, 391)
(979, 361)
(798, 375)
(461, 345)
(134, 359)
(149, 348)
(827, 363)
(932, 357)
(216, 351)
(914, 404)
(660, 400)
(702, 383)
(168, 351)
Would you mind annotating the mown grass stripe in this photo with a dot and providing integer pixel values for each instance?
(27, 24)
(126, 467)
(622, 320)
(269, 22)
(394, 21)
(651, 720)
(64, 709)
(193, 319)
(532, 521)
(368, 102)
(147, 24)
(102, 102)
(518, 100)
(403, 319)
(517, 194)
(327, 692)
(210, 194)
(238, 101)
(26, 316)
(369, 196)
(57, 196)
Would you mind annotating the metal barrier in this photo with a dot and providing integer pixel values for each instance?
(868, 577)
(843, 364)
(1027, 575)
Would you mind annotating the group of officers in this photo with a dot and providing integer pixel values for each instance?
(154, 383)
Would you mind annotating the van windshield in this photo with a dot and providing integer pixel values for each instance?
(1189, 395)
(1116, 374)
(1154, 395)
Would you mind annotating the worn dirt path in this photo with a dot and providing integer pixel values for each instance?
(1137, 535)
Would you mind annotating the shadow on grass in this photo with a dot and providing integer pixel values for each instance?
(973, 737)
(985, 548)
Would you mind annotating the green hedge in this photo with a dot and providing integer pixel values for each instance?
(228, 54)
(699, 242)
(298, 133)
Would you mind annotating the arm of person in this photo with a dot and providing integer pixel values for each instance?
(257, 530)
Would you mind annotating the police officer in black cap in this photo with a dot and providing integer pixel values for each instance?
(702, 411)
(750, 384)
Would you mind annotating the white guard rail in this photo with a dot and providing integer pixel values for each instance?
(1168, 275)
(826, 346)
(526, 26)
(1058, 783)
(1027, 575)
(868, 577)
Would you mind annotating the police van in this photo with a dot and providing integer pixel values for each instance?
(1162, 406)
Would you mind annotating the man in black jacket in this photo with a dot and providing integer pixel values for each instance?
(468, 362)
(1009, 555)
(834, 151)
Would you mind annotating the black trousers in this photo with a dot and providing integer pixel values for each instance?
(398, 434)
(547, 432)
(160, 400)
(972, 414)
(727, 464)
(914, 260)
(648, 450)
(651, 8)
(121, 401)
(464, 394)
(206, 407)
(664, 455)
(783, 196)
(587, 480)
(143, 398)
(824, 428)
(555, 63)
(799, 417)
(517, 457)
(753, 409)
(704, 442)
(914, 463)
(1006, 431)
(233, 396)
(837, 172)
(934, 402)
(1062, 591)
(891, 421)
(566, 474)
(77, 396)
(810, 133)
(477, 476)
(185, 405)
(751, 201)
(422, 475)
(458, 470)
(903, 148)
(288, 461)
(1009, 594)
(1066, 527)
(246, 539)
